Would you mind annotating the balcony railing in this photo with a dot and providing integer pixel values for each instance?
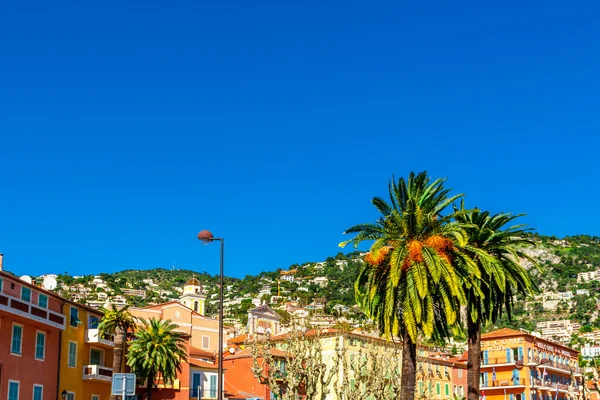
(31, 311)
(93, 336)
(553, 385)
(201, 393)
(545, 362)
(97, 373)
(504, 383)
(501, 360)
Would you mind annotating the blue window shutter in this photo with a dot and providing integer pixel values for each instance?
(485, 357)
(512, 396)
(507, 355)
(520, 353)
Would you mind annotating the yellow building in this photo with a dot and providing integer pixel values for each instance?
(440, 376)
(516, 365)
(85, 357)
(192, 296)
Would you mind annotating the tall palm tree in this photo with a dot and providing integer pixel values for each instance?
(116, 322)
(411, 280)
(497, 250)
(157, 349)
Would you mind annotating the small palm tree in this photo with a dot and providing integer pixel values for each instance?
(411, 280)
(116, 322)
(497, 250)
(157, 349)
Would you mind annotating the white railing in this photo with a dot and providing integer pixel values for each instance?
(93, 336)
(97, 372)
(31, 311)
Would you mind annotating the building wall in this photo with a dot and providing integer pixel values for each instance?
(71, 378)
(513, 365)
(239, 378)
(26, 369)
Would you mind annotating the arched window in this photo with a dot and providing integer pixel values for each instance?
(196, 306)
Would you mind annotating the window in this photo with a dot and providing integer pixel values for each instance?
(25, 294)
(13, 390)
(17, 340)
(75, 317)
(95, 357)
(94, 322)
(213, 386)
(43, 300)
(1, 284)
(460, 374)
(205, 342)
(447, 390)
(95, 397)
(196, 389)
(196, 306)
(40, 345)
(437, 388)
(72, 362)
(70, 396)
(38, 392)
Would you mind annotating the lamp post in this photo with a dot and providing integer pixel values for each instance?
(207, 237)
(64, 395)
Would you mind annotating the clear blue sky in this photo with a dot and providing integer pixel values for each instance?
(126, 129)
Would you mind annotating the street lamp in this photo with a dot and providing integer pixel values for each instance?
(64, 395)
(207, 237)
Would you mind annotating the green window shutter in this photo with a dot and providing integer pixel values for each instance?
(40, 345)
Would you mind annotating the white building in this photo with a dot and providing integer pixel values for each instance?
(560, 331)
(321, 281)
(582, 292)
(588, 276)
(590, 351)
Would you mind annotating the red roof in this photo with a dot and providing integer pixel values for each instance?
(238, 339)
(202, 364)
(247, 353)
(504, 332)
(199, 352)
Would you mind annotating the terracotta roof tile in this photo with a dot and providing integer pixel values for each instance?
(503, 332)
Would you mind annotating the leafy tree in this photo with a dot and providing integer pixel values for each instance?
(496, 249)
(157, 350)
(116, 322)
(411, 280)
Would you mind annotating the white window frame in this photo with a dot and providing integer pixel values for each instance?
(18, 388)
(1, 283)
(33, 393)
(36, 345)
(72, 394)
(95, 397)
(12, 335)
(101, 355)
(208, 338)
(69, 355)
(47, 300)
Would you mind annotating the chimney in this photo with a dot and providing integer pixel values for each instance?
(1, 257)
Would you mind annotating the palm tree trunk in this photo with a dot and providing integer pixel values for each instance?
(409, 369)
(474, 358)
(118, 354)
(149, 384)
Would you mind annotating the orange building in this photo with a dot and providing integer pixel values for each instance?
(198, 377)
(31, 322)
(516, 365)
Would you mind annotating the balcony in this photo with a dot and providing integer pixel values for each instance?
(31, 311)
(93, 336)
(504, 384)
(547, 385)
(500, 361)
(554, 366)
(97, 373)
